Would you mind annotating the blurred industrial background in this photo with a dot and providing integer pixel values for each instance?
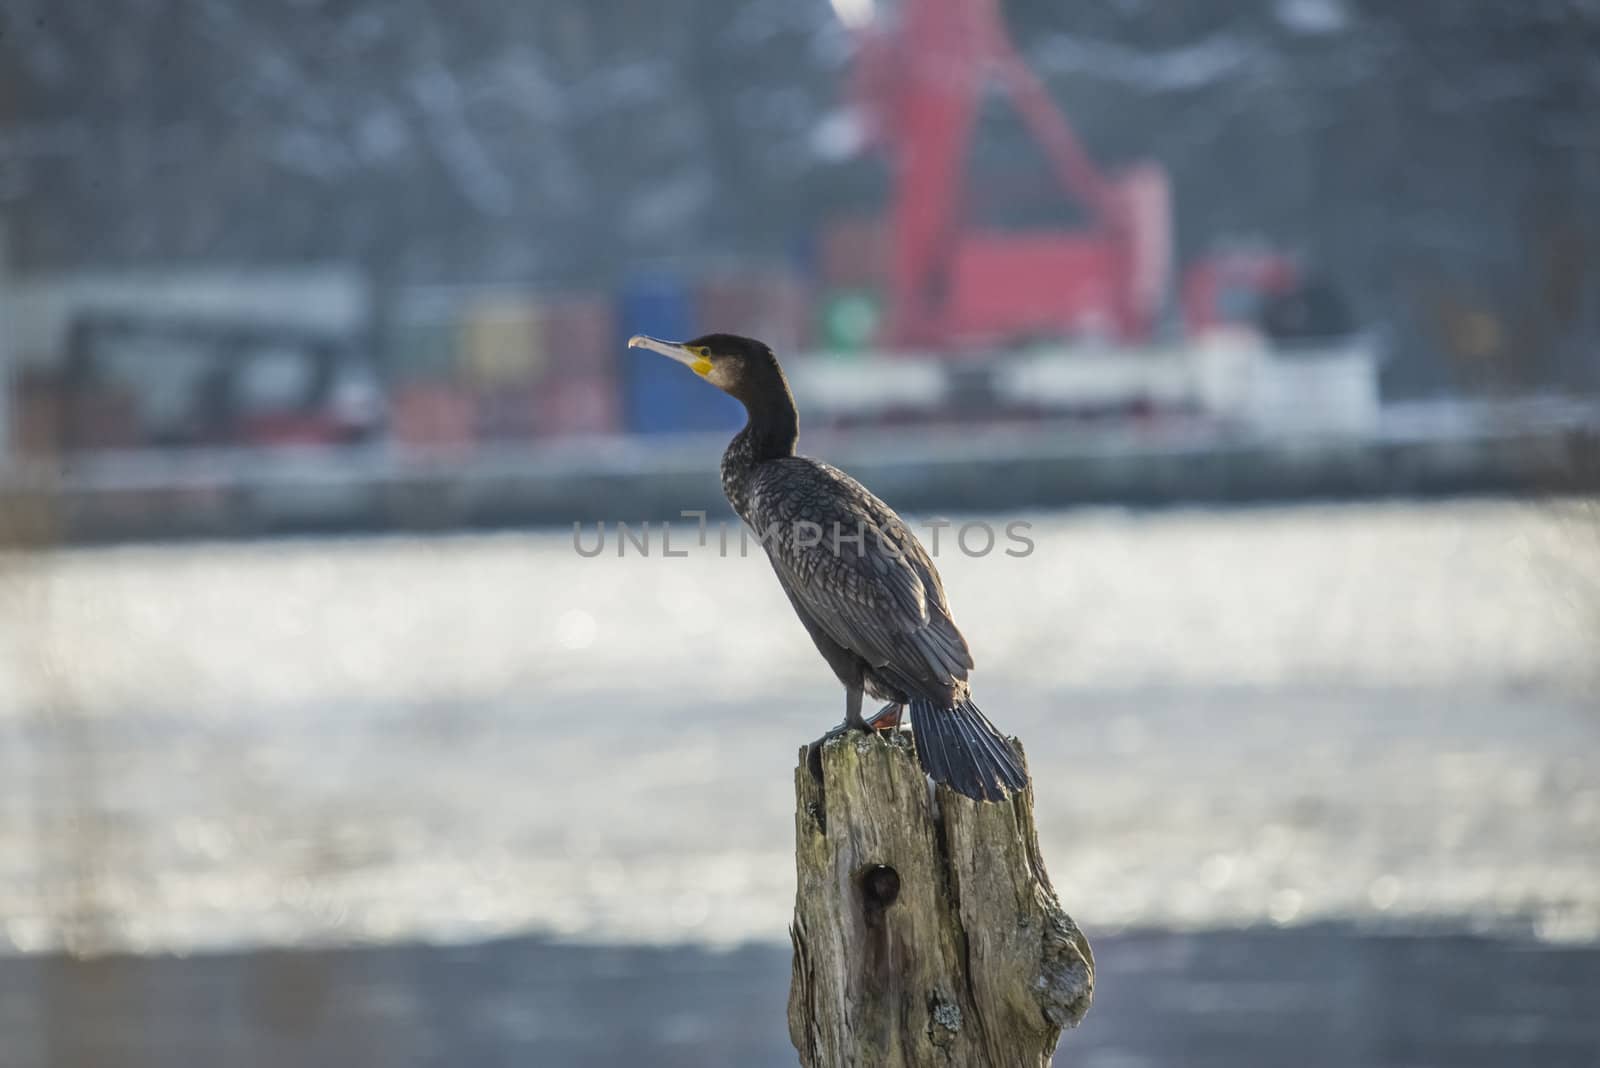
(1279, 320)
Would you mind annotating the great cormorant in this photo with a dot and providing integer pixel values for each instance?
(859, 580)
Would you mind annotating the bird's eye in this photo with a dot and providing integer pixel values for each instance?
(702, 351)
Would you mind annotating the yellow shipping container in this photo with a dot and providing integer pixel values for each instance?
(502, 342)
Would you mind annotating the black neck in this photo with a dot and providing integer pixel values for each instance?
(773, 426)
(769, 434)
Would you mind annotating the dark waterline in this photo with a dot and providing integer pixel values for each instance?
(1314, 996)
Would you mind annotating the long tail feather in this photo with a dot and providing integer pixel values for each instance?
(960, 748)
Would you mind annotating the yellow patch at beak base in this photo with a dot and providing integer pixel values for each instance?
(695, 357)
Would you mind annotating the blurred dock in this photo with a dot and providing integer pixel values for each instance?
(1423, 449)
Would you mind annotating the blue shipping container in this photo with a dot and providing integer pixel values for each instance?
(662, 396)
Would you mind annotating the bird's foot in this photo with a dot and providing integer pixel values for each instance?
(887, 718)
(814, 750)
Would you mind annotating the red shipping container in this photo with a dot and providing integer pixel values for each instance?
(431, 416)
(580, 335)
(508, 414)
(773, 306)
(579, 405)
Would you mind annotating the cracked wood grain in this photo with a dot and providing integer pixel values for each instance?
(926, 932)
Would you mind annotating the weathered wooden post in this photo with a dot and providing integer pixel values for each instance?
(925, 928)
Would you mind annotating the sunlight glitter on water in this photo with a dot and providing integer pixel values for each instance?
(1383, 712)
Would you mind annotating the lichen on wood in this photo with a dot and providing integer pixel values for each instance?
(925, 928)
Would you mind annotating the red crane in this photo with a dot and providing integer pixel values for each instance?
(922, 81)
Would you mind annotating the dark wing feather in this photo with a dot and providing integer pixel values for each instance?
(881, 599)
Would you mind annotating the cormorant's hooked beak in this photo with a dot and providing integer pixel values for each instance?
(693, 358)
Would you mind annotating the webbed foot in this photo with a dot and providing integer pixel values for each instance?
(887, 717)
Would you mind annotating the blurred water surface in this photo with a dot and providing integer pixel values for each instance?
(1321, 996)
(1382, 713)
